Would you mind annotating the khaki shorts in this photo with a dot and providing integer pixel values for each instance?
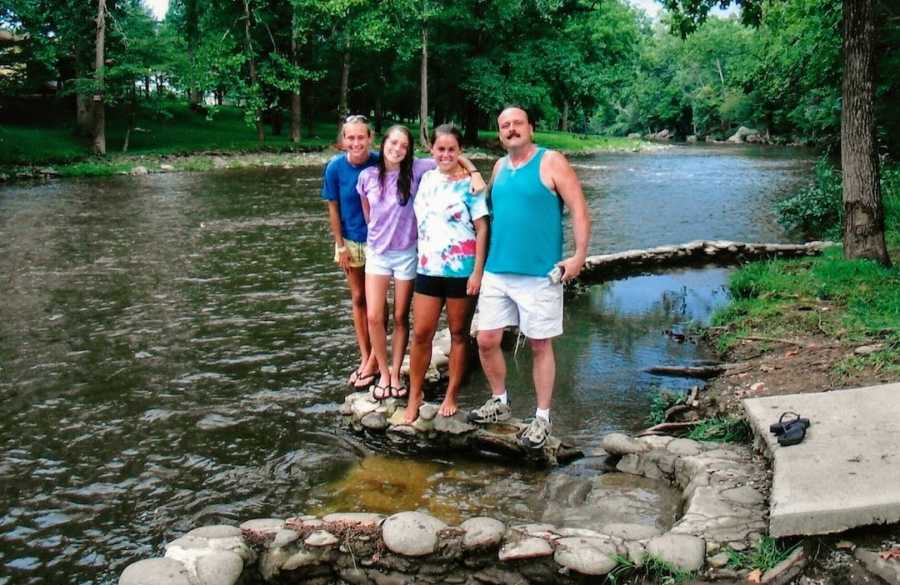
(357, 253)
(533, 303)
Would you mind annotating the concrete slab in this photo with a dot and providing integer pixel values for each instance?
(846, 473)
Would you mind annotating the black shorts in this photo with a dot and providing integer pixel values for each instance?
(445, 287)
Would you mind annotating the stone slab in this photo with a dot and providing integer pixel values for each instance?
(846, 472)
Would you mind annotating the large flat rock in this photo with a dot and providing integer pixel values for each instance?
(846, 472)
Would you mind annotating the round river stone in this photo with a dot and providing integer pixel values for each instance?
(527, 548)
(588, 557)
(215, 531)
(155, 572)
(682, 550)
(219, 568)
(411, 533)
(482, 532)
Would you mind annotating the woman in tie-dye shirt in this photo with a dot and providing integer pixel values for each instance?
(452, 227)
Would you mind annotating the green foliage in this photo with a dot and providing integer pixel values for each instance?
(591, 67)
(890, 199)
(722, 430)
(664, 572)
(624, 568)
(816, 211)
(660, 403)
(651, 570)
(765, 554)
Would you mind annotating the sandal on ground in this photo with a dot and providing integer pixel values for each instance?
(354, 376)
(398, 391)
(786, 421)
(363, 382)
(380, 392)
(793, 435)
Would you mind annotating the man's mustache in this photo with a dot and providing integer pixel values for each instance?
(513, 134)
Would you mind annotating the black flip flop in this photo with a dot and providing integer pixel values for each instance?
(399, 392)
(784, 423)
(383, 392)
(368, 381)
(793, 434)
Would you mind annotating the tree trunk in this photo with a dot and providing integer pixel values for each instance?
(99, 133)
(471, 123)
(277, 116)
(295, 94)
(132, 109)
(84, 116)
(423, 83)
(343, 107)
(564, 118)
(863, 211)
(260, 131)
(721, 75)
(379, 103)
(308, 95)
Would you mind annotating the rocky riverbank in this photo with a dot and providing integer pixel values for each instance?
(137, 165)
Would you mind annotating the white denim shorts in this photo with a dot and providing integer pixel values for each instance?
(532, 302)
(401, 264)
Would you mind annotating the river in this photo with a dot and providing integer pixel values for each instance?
(174, 348)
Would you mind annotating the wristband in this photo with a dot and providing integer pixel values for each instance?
(340, 249)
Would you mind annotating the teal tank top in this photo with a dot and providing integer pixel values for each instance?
(526, 221)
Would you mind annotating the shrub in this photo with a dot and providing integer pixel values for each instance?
(816, 211)
(660, 403)
(722, 430)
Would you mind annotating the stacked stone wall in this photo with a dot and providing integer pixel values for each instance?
(723, 487)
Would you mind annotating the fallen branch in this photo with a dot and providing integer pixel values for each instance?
(774, 340)
(608, 266)
(677, 409)
(703, 372)
(663, 428)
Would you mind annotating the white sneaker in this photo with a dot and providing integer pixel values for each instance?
(492, 411)
(536, 434)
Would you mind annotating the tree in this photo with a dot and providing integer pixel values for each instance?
(99, 111)
(864, 212)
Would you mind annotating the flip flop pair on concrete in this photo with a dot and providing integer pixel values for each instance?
(790, 429)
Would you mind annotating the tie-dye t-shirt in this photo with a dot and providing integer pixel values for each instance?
(445, 215)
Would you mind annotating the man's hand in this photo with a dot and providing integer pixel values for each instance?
(571, 268)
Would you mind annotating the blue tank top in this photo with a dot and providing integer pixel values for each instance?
(526, 221)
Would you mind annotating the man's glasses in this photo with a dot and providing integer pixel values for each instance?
(356, 119)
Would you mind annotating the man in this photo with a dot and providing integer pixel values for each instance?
(522, 284)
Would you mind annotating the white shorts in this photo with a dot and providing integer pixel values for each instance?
(400, 264)
(532, 302)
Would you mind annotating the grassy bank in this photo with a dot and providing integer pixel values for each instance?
(572, 143)
(170, 130)
(177, 137)
(849, 302)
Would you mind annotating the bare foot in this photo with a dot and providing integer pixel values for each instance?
(412, 411)
(448, 407)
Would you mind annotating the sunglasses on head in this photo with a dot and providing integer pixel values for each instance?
(356, 118)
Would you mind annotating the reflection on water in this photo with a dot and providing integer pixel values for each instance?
(173, 349)
(449, 491)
